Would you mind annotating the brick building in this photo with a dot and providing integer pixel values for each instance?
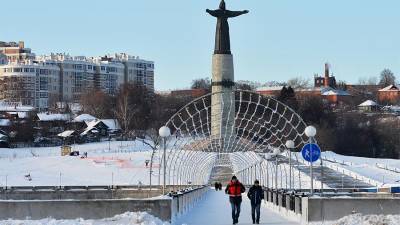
(389, 95)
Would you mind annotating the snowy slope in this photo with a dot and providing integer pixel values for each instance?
(367, 167)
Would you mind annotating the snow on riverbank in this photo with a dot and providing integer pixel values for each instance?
(358, 219)
(368, 167)
(131, 218)
(95, 147)
(97, 169)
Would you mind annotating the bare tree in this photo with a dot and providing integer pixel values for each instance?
(124, 111)
(247, 85)
(202, 83)
(368, 80)
(387, 78)
(98, 104)
(299, 83)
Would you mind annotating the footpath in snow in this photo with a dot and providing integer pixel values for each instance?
(214, 209)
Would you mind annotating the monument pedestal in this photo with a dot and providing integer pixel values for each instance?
(223, 101)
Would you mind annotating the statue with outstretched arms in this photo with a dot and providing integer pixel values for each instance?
(222, 40)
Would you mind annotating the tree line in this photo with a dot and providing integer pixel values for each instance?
(347, 132)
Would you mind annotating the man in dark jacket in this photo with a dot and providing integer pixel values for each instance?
(235, 189)
(255, 194)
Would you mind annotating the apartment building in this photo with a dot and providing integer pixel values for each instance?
(40, 81)
(137, 70)
(109, 75)
(76, 75)
(16, 52)
(34, 84)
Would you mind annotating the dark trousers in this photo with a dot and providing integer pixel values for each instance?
(235, 210)
(255, 212)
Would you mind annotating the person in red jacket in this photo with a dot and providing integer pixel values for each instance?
(235, 189)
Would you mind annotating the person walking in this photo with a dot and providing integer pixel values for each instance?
(235, 189)
(216, 186)
(255, 194)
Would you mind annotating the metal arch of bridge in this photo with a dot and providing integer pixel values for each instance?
(261, 125)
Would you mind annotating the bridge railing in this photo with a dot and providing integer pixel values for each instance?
(185, 199)
(332, 204)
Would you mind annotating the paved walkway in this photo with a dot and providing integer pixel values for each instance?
(215, 209)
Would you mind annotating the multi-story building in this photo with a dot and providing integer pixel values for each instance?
(326, 81)
(43, 81)
(16, 52)
(76, 75)
(137, 70)
(3, 59)
(34, 84)
(109, 75)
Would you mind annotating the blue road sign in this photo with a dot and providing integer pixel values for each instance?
(306, 152)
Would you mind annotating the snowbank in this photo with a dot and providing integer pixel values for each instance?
(358, 219)
(368, 167)
(131, 218)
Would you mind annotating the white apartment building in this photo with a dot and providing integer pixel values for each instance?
(44, 80)
(137, 70)
(34, 84)
(109, 75)
(76, 75)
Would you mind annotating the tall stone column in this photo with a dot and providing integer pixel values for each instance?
(223, 82)
(223, 98)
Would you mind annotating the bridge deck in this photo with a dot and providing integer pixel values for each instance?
(214, 209)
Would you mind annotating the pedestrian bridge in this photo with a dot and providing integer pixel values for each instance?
(214, 209)
(204, 148)
(253, 146)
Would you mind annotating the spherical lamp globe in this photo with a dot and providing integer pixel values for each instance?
(289, 144)
(277, 151)
(310, 131)
(164, 131)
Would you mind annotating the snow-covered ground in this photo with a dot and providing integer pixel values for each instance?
(368, 167)
(96, 147)
(358, 219)
(97, 169)
(123, 164)
(131, 218)
(108, 163)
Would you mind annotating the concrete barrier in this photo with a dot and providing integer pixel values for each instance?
(97, 208)
(327, 209)
(86, 209)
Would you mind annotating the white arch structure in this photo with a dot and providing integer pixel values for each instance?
(261, 124)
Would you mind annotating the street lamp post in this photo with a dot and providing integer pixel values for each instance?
(275, 153)
(164, 132)
(268, 157)
(290, 145)
(310, 132)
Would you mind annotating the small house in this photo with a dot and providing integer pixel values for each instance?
(94, 131)
(368, 106)
(389, 95)
(49, 125)
(68, 137)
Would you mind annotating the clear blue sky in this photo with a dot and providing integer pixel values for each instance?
(278, 40)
